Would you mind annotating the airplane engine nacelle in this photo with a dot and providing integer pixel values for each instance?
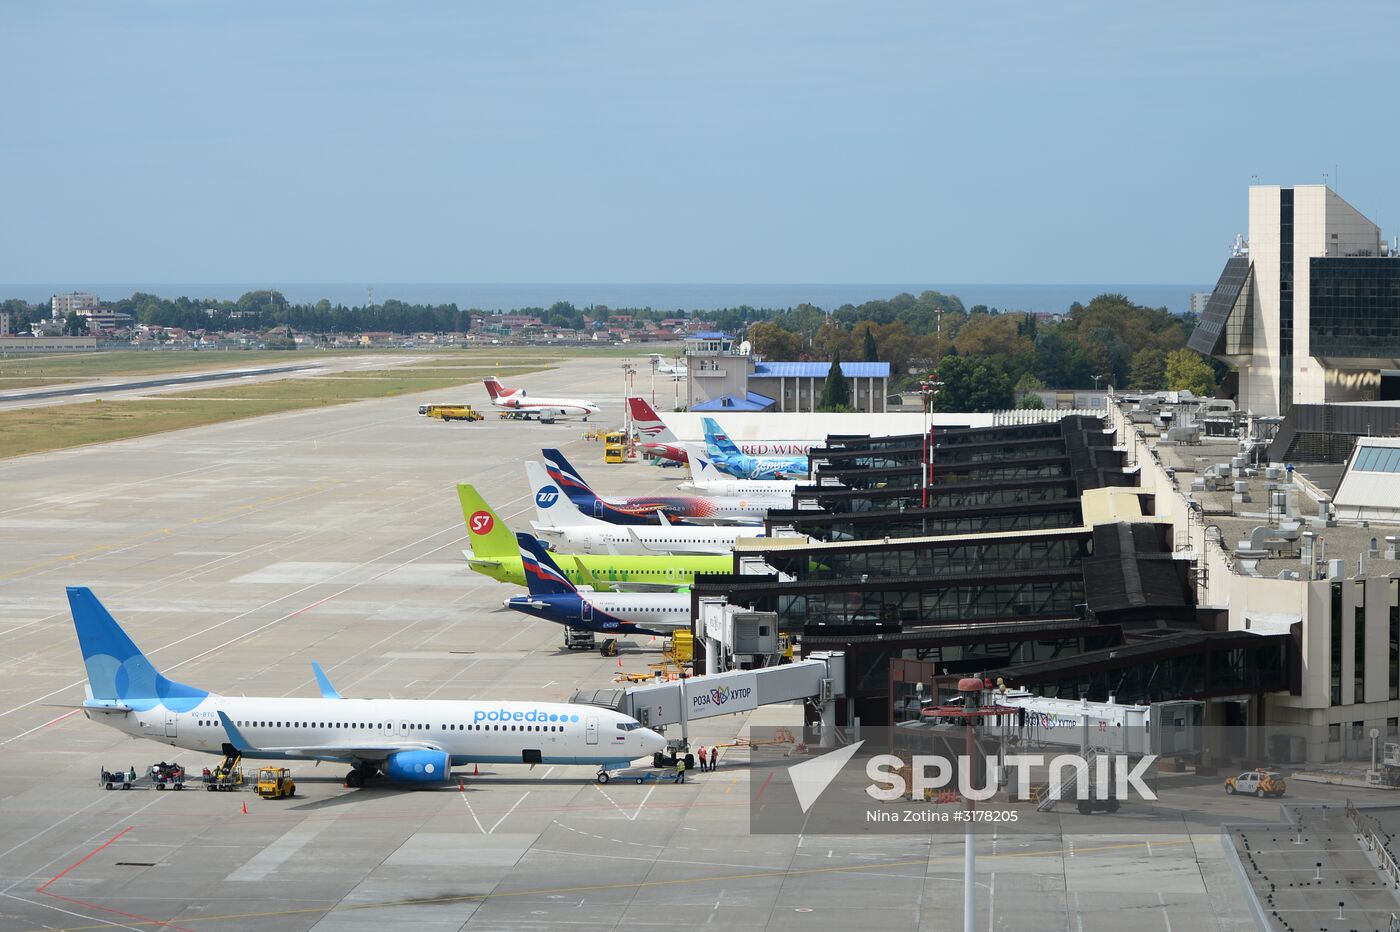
(418, 766)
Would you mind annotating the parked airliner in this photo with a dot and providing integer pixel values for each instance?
(415, 741)
(559, 521)
(553, 598)
(729, 458)
(519, 401)
(643, 509)
(659, 440)
(705, 479)
(676, 371)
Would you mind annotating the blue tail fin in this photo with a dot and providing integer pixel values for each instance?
(542, 574)
(570, 480)
(116, 668)
(717, 438)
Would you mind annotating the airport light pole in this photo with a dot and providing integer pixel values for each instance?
(928, 388)
(629, 373)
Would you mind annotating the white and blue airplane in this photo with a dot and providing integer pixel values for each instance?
(705, 479)
(561, 522)
(728, 458)
(416, 741)
(553, 598)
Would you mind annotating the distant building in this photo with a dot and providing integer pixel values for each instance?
(65, 304)
(723, 376)
(4, 323)
(46, 344)
(105, 319)
(1199, 300)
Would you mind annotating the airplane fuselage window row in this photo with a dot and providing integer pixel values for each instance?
(372, 725)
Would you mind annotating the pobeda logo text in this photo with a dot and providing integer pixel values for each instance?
(1108, 775)
(530, 715)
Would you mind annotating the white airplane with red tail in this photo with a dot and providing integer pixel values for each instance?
(522, 404)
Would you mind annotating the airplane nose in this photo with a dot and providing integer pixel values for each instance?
(652, 742)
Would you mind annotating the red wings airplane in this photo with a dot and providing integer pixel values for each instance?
(658, 440)
(517, 401)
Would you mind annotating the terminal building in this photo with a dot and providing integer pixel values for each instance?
(723, 375)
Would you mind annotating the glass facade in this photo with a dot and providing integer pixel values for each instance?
(1206, 337)
(1354, 307)
(1285, 300)
(1336, 645)
(925, 522)
(858, 501)
(931, 602)
(1358, 670)
(1046, 553)
(1394, 639)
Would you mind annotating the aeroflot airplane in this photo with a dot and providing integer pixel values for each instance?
(559, 521)
(553, 598)
(409, 740)
(693, 509)
(517, 400)
(658, 440)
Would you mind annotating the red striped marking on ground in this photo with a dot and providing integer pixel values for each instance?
(44, 889)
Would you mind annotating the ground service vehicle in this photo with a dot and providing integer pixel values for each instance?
(579, 639)
(615, 447)
(428, 409)
(118, 778)
(225, 777)
(447, 413)
(276, 783)
(1259, 783)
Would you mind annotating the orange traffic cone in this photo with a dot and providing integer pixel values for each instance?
(619, 661)
(461, 784)
(245, 807)
(475, 772)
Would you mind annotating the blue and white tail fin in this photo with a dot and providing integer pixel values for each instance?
(717, 438)
(569, 480)
(553, 508)
(542, 574)
(118, 673)
(702, 468)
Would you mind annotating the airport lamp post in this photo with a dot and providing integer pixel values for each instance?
(971, 711)
(928, 388)
(629, 373)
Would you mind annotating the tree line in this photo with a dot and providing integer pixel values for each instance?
(989, 359)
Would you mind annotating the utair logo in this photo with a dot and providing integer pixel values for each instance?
(547, 496)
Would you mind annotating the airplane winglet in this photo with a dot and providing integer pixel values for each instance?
(327, 690)
(235, 737)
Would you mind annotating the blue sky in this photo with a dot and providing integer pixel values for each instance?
(667, 142)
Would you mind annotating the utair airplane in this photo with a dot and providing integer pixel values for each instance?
(553, 598)
(705, 479)
(415, 741)
(693, 509)
(494, 552)
(559, 521)
(517, 401)
(730, 459)
(659, 440)
(676, 372)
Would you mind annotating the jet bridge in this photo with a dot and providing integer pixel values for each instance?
(821, 677)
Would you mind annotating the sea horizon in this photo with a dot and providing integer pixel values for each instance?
(679, 297)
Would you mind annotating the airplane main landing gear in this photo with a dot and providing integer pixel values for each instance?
(603, 776)
(360, 776)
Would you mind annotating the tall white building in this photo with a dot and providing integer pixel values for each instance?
(65, 304)
(1308, 310)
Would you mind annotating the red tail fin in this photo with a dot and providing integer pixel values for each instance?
(493, 386)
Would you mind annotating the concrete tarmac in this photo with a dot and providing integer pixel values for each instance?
(236, 554)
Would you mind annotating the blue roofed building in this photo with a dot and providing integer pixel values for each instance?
(725, 375)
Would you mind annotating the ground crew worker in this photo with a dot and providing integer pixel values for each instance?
(680, 770)
(714, 757)
(702, 758)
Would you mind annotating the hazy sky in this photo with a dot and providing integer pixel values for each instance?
(201, 140)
